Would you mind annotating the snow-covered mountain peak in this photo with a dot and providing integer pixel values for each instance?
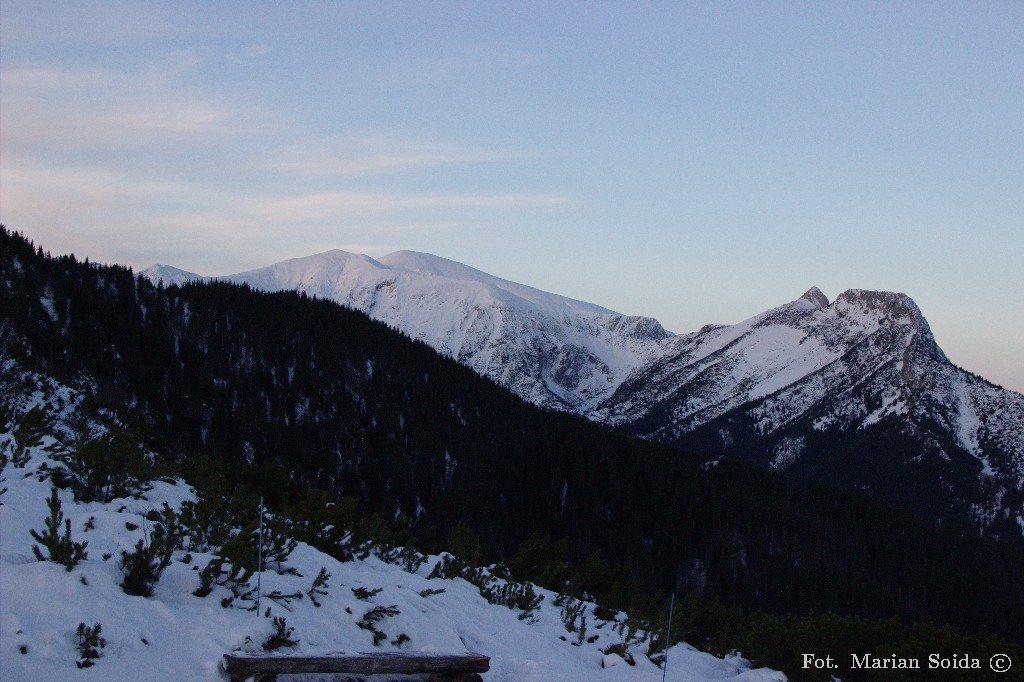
(425, 263)
(429, 264)
(316, 274)
(168, 274)
(812, 301)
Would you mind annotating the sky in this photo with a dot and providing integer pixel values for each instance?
(696, 162)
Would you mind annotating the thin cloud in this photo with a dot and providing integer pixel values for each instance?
(250, 53)
(464, 61)
(148, 161)
(49, 110)
(29, 190)
(357, 155)
(333, 205)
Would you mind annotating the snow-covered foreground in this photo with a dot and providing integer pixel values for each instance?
(176, 635)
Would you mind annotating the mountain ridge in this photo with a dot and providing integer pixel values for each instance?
(786, 388)
(554, 351)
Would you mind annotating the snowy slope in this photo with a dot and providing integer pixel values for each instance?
(176, 635)
(549, 349)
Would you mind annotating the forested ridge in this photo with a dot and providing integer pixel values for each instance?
(348, 405)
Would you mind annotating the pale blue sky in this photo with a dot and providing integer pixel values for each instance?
(695, 162)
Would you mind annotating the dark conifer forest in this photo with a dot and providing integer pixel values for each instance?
(345, 404)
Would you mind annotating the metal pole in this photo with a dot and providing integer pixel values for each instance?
(668, 637)
(259, 565)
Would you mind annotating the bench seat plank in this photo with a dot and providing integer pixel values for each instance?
(244, 665)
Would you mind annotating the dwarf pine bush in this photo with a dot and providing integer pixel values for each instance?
(515, 596)
(61, 548)
(89, 645)
(278, 542)
(319, 586)
(143, 567)
(365, 594)
(281, 637)
(103, 467)
(232, 567)
(373, 617)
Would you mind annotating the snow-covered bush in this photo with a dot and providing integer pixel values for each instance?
(521, 596)
(365, 594)
(407, 557)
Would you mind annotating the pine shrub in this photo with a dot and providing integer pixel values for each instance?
(319, 586)
(232, 567)
(61, 548)
(143, 567)
(5, 459)
(516, 596)
(281, 637)
(207, 525)
(7, 414)
(408, 558)
(283, 599)
(364, 594)
(323, 521)
(31, 426)
(19, 455)
(89, 645)
(103, 468)
(373, 617)
(278, 542)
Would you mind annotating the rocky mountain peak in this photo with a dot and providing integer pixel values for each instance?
(895, 306)
(815, 296)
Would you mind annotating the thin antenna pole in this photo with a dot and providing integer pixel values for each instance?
(668, 637)
(259, 565)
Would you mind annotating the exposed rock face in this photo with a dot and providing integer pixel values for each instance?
(815, 297)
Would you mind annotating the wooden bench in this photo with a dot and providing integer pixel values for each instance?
(441, 668)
